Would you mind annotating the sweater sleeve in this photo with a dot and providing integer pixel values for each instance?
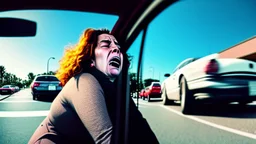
(88, 101)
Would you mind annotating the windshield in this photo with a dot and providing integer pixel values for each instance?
(23, 58)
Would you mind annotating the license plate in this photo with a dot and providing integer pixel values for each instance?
(51, 87)
(4, 90)
(252, 88)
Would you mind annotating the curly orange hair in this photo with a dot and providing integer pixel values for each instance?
(79, 57)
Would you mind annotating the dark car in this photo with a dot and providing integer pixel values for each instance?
(45, 85)
(7, 89)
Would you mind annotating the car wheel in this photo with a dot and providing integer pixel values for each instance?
(34, 97)
(149, 98)
(166, 101)
(186, 97)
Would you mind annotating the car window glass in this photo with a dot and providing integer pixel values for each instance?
(156, 85)
(47, 78)
(193, 29)
(135, 86)
(26, 57)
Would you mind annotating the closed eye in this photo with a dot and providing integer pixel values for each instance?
(105, 43)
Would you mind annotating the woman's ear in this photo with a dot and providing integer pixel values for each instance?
(93, 63)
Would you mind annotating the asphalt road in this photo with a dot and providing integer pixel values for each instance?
(212, 124)
(20, 116)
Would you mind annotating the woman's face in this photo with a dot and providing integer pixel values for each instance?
(108, 58)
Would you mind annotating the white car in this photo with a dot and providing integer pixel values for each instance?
(211, 79)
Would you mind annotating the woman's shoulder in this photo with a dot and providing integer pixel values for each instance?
(79, 83)
(84, 78)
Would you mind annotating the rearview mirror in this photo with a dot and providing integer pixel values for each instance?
(166, 75)
(16, 27)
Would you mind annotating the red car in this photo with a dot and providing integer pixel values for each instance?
(7, 89)
(153, 91)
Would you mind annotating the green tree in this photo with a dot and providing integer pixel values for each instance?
(135, 86)
(51, 73)
(133, 82)
(31, 77)
(2, 72)
(7, 78)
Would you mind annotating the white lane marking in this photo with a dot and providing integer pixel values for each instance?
(249, 135)
(23, 113)
(23, 101)
(19, 97)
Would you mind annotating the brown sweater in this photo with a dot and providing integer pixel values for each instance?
(78, 109)
(83, 112)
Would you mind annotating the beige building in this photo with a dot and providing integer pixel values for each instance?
(245, 50)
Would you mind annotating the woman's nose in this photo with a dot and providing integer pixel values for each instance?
(116, 50)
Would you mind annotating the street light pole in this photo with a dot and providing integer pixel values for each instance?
(48, 64)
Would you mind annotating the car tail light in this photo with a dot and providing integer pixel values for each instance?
(36, 84)
(155, 89)
(212, 67)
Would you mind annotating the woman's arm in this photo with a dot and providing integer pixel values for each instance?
(89, 103)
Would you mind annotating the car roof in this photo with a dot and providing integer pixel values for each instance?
(133, 15)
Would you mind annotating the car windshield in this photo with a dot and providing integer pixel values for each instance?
(24, 58)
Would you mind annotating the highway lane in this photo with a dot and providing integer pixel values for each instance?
(242, 118)
(168, 121)
(20, 116)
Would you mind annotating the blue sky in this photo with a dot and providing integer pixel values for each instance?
(190, 28)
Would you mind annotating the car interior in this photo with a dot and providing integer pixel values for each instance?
(139, 25)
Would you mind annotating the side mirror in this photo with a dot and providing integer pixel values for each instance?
(166, 75)
(16, 27)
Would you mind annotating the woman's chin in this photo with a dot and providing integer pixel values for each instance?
(114, 72)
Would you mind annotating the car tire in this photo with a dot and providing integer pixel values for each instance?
(166, 101)
(186, 97)
(149, 98)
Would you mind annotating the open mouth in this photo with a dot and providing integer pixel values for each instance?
(115, 62)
